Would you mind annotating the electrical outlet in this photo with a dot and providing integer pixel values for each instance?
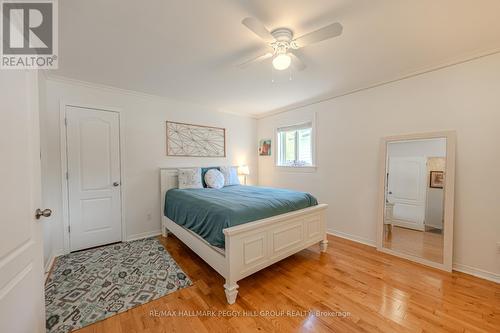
(498, 247)
(148, 216)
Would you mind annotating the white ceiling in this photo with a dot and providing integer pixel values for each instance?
(187, 49)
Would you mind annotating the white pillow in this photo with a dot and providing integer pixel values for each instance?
(214, 179)
(190, 178)
(230, 175)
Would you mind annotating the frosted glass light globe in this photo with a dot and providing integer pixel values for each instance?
(282, 61)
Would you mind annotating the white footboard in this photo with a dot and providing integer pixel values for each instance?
(252, 246)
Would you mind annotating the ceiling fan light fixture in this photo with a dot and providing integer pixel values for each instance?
(282, 61)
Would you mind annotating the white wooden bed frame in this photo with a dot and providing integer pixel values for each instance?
(252, 246)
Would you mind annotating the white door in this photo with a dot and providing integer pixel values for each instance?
(407, 182)
(21, 269)
(93, 157)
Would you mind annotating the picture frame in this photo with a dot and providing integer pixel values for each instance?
(265, 147)
(436, 179)
(190, 140)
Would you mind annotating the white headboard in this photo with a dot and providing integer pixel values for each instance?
(169, 178)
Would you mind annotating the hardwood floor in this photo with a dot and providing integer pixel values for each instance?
(423, 244)
(371, 291)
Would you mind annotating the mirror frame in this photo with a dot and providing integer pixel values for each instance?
(449, 197)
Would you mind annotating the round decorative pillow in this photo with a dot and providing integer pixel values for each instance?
(214, 179)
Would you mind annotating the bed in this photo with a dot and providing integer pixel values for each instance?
(242, 236)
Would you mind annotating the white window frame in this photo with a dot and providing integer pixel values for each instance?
(279, 149)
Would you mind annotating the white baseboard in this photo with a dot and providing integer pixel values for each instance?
(144, 235)
(353, 238)
(480, 273)
(408, 225)
(50, 263)
(440, 227)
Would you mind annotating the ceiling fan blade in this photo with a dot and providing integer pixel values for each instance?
(330, 31)
(255, 60)
(297, 63)
(258, 28)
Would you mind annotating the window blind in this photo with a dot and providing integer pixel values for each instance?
(295, 127)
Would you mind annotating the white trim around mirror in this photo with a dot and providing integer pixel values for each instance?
(449, 197)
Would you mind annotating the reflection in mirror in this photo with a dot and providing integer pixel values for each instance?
(414, 198)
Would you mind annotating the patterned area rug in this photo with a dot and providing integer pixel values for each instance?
(88, 286)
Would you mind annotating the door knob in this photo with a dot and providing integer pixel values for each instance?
(45, 213)
(116, 184)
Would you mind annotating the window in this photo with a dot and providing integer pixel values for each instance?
(295, 146)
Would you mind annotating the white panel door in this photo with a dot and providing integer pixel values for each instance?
(21, 268)
(407, 181)
(93, 153)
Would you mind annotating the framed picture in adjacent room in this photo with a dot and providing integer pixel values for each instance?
(265, 147)
(437, 179)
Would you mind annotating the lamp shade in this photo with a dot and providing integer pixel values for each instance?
(243, 170)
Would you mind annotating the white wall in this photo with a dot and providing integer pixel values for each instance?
(435, 196)
(465, 98)
(143, 150)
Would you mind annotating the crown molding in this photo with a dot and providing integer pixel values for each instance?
(112, 89)
(291, 107)
(422, 71)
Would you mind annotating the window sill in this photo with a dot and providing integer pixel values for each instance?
(289, 168)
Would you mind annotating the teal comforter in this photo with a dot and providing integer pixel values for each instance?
(208, 211)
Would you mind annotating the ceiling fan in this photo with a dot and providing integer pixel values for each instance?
(282, 44)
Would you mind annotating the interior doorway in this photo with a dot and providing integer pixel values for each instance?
(93, 176)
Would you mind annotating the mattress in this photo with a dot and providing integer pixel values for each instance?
(208, 211)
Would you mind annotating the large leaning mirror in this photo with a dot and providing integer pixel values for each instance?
(416, 198)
